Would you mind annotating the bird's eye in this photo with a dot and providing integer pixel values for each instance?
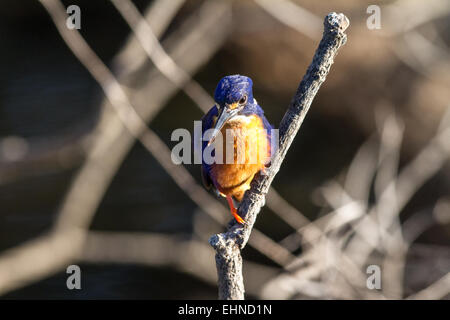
(243, 100)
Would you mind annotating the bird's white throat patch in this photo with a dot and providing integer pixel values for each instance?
(241, 119)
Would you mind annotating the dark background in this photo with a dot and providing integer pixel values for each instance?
(47, 97)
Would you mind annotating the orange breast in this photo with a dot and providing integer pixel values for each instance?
(245, 151)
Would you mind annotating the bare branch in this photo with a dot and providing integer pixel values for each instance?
(435, 291)
(229, 244)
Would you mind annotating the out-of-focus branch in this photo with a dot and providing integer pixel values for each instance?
(150, 249)
(229, 244)
(202, 37)
(47, 155)
(435, 291)
(163, 250)
(57, 153)
(425, 164)
(285, 210)
(293, 16)
(401, 15)
(159, 15)
(68, 150)
(347, 239)
(38, 258)
(402, 22)
(163, 62)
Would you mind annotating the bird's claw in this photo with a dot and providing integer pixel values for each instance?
(239, 219)
(234, 211)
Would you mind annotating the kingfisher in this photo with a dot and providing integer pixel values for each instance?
(237, 111)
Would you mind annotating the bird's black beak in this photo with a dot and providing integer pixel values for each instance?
(225, 114)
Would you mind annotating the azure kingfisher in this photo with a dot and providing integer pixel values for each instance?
(236, 109)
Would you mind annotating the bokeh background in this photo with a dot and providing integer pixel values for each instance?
(366, 181)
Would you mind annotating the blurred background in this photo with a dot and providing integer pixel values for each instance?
(366, 181)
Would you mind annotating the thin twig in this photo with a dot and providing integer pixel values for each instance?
(229, 244)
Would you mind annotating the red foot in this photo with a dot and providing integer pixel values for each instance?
(234, 211)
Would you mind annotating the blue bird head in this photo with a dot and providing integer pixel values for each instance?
(234, 89)
(234, 96)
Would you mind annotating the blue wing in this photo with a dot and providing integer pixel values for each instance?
(207, 123)
(268, 128)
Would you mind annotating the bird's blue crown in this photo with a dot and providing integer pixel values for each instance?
(231, 89)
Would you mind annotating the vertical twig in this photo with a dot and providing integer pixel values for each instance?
(229, 244)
